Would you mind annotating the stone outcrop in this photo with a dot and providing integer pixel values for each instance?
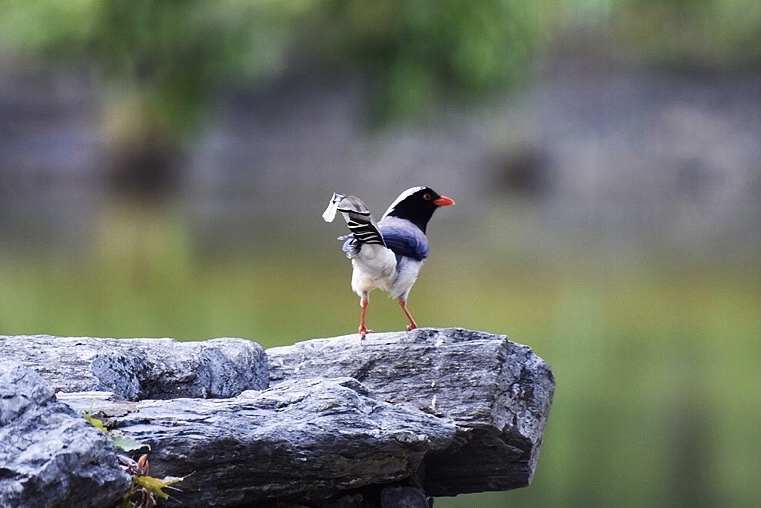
(336, 422)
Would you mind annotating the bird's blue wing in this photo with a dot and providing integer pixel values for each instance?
(405, 240)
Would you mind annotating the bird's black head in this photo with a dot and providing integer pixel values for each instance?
(417, 205)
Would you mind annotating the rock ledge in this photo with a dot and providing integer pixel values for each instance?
(334, 422)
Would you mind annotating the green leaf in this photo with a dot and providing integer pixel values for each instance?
(128, 444)
(95, 422)
(155, 485)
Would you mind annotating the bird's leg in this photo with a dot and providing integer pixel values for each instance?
(364, 301)
(403, 305)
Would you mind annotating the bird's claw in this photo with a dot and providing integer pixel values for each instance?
(363, 330)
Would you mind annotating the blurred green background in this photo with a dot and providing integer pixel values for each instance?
(164, 164)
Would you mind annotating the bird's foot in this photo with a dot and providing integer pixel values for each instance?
(363, 330)
(411, 327)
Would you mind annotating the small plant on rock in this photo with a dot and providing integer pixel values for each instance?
(144, 490)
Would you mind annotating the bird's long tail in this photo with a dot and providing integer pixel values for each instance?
(355, 212)
(330, 212)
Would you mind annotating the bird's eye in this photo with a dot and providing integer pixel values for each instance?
(427, 196)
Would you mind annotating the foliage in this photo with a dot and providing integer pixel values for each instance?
(163, 57)
(126, 443)
(695, 33)
(95, 422)
(145, 487)
(145, 490)
(166, 58)
(420, 51)
(172, 55)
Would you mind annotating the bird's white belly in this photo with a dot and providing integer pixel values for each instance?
(374, 268)
(406, 275)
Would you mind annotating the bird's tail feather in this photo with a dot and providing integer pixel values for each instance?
(330, 212)
(355, 212)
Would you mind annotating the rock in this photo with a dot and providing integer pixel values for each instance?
(403, 497)
(498, 393)
(348, 501)
(304, 440)
(136, 369)
(50, 456)
(344, 423)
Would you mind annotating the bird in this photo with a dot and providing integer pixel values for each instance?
(386, 255)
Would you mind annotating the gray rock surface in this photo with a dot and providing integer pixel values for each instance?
(498, 393)
(344, 423)
(403, 497)
(50, 456)
(136, 369)
(305, 440)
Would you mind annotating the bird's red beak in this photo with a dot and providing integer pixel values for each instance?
(443, 201)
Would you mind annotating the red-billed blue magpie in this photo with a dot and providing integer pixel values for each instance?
(386, 255)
